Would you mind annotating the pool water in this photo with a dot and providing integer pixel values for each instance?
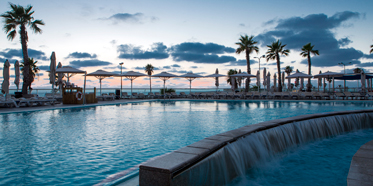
(83, 146)
(323, 162)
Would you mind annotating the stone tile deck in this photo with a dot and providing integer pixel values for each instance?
(361, 168)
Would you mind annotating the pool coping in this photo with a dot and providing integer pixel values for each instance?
(125, 101)
(361, 171)
(163, 170)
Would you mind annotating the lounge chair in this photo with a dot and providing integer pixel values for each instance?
(183, 95)
(349, 95)
(316, 95)
(168, 95)
(248, 95)
(150, 95)
(125, 95)
(8, 102)
(134, 95)
(360, 95)
(157, 95)
(306, 95)
(294, 95)
(221, 95)
(264, 95)
(277, 95)
(286, 95)
(141, 96)
(174, 95)
(325, 95)
(339, 95)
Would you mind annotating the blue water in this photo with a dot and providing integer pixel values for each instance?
(84, 146)
(323, 162)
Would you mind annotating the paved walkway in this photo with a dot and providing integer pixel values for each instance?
(361, 168)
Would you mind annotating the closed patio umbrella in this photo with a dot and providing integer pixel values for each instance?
(301, 84)
(319, 82)
(101, 74)
(17, 74)
(268, 82)
(216, 76)
(274, 82)
(52, 71)
(363, 77)
(164, 76)
(283, 79)
(258, 79)
(264, 77)
(243, 75)
(190, 76)
(5, 85)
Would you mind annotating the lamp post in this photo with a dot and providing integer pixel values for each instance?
(263, 56)
(344, 69)
(121, 79)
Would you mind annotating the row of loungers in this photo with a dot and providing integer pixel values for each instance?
(243, 95)
(29, 102)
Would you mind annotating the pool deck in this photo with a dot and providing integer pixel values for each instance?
(361, 168)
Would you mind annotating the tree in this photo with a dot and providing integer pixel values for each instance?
(149, 69)
(358, 70)
(273, 53)
(231, 72)
(307, 50)
(21, 16)
(288, 70)
(33, 70)
(247, 44)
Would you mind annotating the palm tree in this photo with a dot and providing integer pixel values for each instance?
(231, 72)
(149, 70)
(247, 44)
(307, 50)
(33, 70)
(273, 53)
(21, 16)
(358, 70)
(288, 70)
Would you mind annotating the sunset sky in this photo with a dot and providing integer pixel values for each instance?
(198, 36)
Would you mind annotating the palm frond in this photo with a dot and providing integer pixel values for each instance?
(12, 35)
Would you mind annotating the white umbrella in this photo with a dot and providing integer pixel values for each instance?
(17, 74)
(190, 76)
(131, 75)
(264, 76)
(274, 82)
(216, 76)
(101, 74)
(328, 75)
(60, 76)
(164, 76)
(72, 71)
(52, 71)
(5, 85)
(243, 75)
(299, 75)
(268, 82)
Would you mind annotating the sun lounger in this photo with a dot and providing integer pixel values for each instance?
(294, 95)
(125, 95)
(339, 95)
(141, 96)
(286, 95)
(248, 95)
(158, 95)
(264, 95)
(174, 95)
(277, 95)
(222, 95)
(307, 95)
(150, 95)
(8, 102)
(349, 95)
(168, 95)
(360, 95)
(325, 95)
(369, 95)
(134, 95)
(183, 95)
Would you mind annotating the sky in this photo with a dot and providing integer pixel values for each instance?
(191, 36)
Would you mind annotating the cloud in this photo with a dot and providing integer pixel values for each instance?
(88, 63)
(175, 65)
(81, 55)
(44, 67)
(118, 67)
(242, 62)
(242, 25)
(368, 64)
(139, 68)
(317, 29)
(166, 67)
(179, 71)
(137, 18)
(157, 51)
(193, 67)
(17, 53)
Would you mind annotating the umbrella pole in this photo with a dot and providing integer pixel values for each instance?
(324, 85)
(190, 86)
(164, 89)
(85, 76)
(333, 84)
(100, 87)
(131, 88)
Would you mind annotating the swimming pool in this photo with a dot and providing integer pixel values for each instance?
(83, 146)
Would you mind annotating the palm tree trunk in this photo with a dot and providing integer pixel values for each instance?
(248, 70)
(150, 79)
(26, 68)
(309, 73)
(279, 73)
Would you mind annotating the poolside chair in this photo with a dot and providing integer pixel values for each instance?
(306, 95)
(369, 95)
(294, 95)
(182, 95)
(248, 95)
(360, 95)
(168, 95)
(150, 95)
(134, 95)
(157, 95)
(277, 95)
(256, 95)
(125, 95)
(286, 95)
(174, 95)
(339, 95)
(325, 95)
(264, 94)
(8, 102)
(141, 96)
(316, 95)
(222, 95)
(111, 96)
(349, 95)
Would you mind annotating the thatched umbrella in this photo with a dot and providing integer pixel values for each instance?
(17, 74)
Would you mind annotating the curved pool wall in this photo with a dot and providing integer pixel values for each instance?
(218, 159)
